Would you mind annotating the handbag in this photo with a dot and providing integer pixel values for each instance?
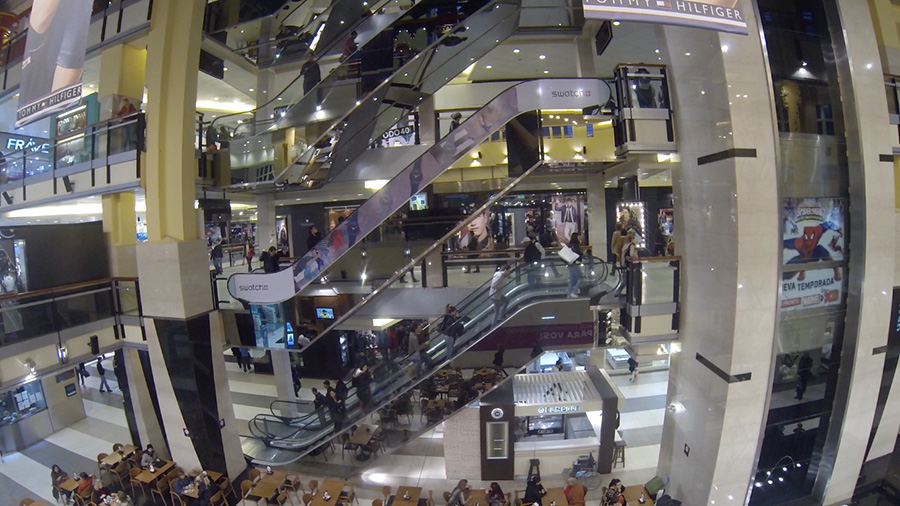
(568, 255)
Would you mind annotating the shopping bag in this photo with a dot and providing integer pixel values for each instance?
(568, 255)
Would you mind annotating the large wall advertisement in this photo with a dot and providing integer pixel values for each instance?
(813, 234)
(54, 58)
(724, 15)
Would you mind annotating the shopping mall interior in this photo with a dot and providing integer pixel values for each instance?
(429, 252)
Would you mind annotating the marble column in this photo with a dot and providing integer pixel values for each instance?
(596, 209)
(727, 221)
(284, 380)
(265, 222)
(871, 269)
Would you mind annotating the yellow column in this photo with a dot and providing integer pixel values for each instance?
(885, 15)
(119, 219)
(173, 53)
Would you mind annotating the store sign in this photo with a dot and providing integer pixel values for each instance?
(19, 144)
(723, 15)
(54, 59)
(811, 289)
(550, 336)
(552, 410)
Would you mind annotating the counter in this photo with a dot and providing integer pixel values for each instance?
(25, 431)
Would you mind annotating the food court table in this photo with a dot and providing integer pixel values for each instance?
(414, 494)
(214, 476)
(69, 485)
(115, 457)
(478, 497)
(276, 478)
(633, 493)
(334, 489)
(146, 477)
(264, 489)
(555, 494)
(363, 434)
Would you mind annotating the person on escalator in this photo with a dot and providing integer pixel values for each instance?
(362, 381)
(574, 267)
(496, 292)
(319, 400)
(451, 328)
(311, 73)
(337, 409)
(532, 258)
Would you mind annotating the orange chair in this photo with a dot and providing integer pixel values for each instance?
(226, 486)
(307, 498)
(313, 486)
(254, 474)
(293, 483)
(377, 502)
(161, 489)
(386, 492)
(218, 499)
(26, 501)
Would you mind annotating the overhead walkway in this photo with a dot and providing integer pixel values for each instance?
(527, 96)
(281, 436)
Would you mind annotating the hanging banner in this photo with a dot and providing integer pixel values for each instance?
(811, 289)
(54, 58)
(723, 15)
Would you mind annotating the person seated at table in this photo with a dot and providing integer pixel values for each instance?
(495, 495)
(148, 457)
(467, 394)
(458, 496)
(57, 477)
(182, 484)
(534, 491)
(318, 398)
(614, 493)
(206, 488)
(85, 485)
(122, 499)
(575, 492)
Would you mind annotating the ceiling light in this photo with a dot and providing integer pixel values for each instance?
(657, 51)
(548, 317)
(724, 48)
(805, 64)
(542, 57)
(687, 54)
(516, 51)
(225, 69)
(251, 89)
(617, 23)
(375, 184)
(546, 71)
(489, 67)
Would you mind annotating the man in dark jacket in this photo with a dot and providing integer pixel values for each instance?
(532, 259)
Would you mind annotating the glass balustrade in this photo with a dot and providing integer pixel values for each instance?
(652, 281)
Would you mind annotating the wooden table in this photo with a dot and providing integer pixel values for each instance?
(69, 485)
(555, 494)
(484, 371)
(193, 492)
(363, 434)
(264, 489)
(478, 497)
(437, 403)
(633, 493)
(276, 478)
(39, 503)
(146, 477)
(414, 494)
(114, 458)
(214, 476)
(444, 373)
(334, 489)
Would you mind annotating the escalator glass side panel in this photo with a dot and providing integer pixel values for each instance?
(530, 95)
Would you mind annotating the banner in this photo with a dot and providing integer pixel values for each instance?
(814, 288)
(54, 58)
(549, 336)
(813, 231)
(723, 15)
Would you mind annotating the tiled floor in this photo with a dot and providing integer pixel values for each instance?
(420, 462)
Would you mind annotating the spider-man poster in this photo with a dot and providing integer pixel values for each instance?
(813, 235)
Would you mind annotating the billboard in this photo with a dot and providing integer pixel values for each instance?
(54, 58)
(813, 235)
(723, 15)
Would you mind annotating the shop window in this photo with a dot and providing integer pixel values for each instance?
(824, 120)
(569, 131)
(495, 137)
(590, 130)
(545, 131)
(556, 131)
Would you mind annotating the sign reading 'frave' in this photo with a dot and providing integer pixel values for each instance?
(723, 15)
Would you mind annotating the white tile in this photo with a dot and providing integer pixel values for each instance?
(106, 413)
(30, 474)
(642, 419)
(246, 387)
(78, 442)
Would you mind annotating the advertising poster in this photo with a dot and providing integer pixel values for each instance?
(723, 15)
(813, 231)
(817, 288)
(54, 58)
(567, 214)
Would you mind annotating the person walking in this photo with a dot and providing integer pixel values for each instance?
(216, 255)
(804, 372)
(313, 237)
(574, 267)
(496, 293)
(238, 356)
(82, 373)
(101, 371)
(632, 368)
(251, 252)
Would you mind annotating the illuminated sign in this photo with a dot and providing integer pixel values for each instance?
(549, 410)
(18, 144)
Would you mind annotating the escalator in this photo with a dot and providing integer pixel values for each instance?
(526, 96)
(376, 69)
(279, 440)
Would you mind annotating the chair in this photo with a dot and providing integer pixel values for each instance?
(176, 498)
(254, 474)
(307, 498)
(161, 489)
(120, 473)
(619, 453)
(26, 501)
(227, 487)
(313, 486)
(117, 447)
(446, 496)
(350, 495)
(386, 492)
(346, 445)
(293, 483)
(281, 498)
(133, 474)
(246, 486)
(100, 465)
(377, 502)
(218, 499)
(430, 500)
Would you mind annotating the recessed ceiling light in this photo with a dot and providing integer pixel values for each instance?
(542, 57)
(251, 89)
(546, 71)
(657, 50)
(687, 54)
(516, 50)
(215, 98)
(91, 86)
(225, 69)
(617, 23)
(489, 67)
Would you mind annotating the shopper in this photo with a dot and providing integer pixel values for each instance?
(574, 267)
(318, 399)
(101, 371)
(575, 492)
(336, 409)
(313, 238)
(362, 381)
(216, 254)
(532, 258)
(498, 361)
(534, 491)
(251, 252)
(57, 477)
(82, 373)
(615, 244)
(454, 120)
(450, 329)
(495, 495)
(458, 495)
(311, 73)
(804, 372)
(350, 47)
(295, 376)
(246, 360)
(632, 368)
(496, 292)
(149, 456)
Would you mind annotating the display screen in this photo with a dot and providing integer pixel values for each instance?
(325, 313)
(547, 424)
(418, 202)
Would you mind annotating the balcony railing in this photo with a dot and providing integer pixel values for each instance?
(29, 315)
